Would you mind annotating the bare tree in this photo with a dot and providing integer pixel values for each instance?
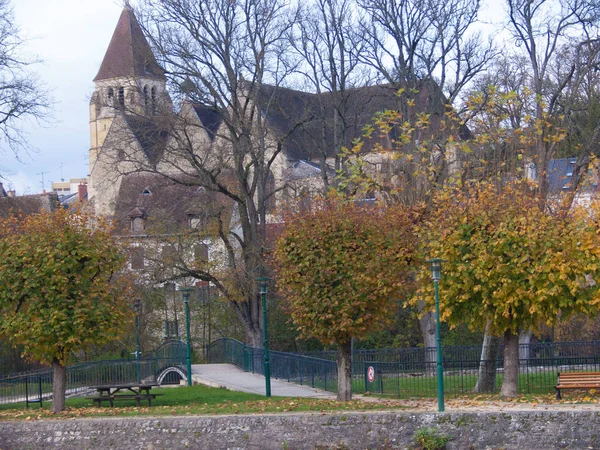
(220, 55)
(22, 95)
(542, 29)
(412, 40)
(328, 46)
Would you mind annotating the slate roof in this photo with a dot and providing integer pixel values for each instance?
(166, 204)
(560, 174)
(304, 122)
(128, 53)
(28, 204)
(211, 120)
(150, 135)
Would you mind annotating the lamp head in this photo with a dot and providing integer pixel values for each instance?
(263, 283)
(436, 268)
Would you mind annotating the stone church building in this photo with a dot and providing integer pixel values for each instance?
(128, 131)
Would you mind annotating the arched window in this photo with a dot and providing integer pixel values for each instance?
(121, 96)
(146, 98)
(270, 201)
(153, 93)
(111, 97)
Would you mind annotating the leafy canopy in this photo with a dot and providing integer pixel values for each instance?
(508, 261)
(343, 267)
(59, 292)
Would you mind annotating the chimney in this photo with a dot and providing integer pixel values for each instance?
(82, 192)
(12, 193)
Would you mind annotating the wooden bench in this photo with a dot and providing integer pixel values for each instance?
(577, 380)
(111, 398)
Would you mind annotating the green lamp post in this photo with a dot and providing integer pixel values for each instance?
(186, 299)
(264, 285)
(137, 307)
(436, 275)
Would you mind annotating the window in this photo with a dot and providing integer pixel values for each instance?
(136, 258)
(153, 94)
(197, 221)
(137, 225)
(121, 96)
(111, 97)
(270, 201)
(146, 192)
(146, 98)
(201, 253)
(170, 329)
(168, 254)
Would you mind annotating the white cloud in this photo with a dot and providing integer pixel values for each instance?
(21, 183)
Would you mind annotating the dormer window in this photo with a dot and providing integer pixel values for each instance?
(138, 225)
(121, 96)
(138, 220)
(146, 191)
(197, 221)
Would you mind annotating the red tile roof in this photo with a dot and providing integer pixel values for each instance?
(128, 53)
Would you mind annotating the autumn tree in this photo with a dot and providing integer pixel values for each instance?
(58, 288)
(509, 265)
(343, 268)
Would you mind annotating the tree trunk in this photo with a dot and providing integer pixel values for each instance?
(427, 324)
(510, 381)
(344, 372)
(59, 386)
(254, 338)
(486, 379)
(524, 341)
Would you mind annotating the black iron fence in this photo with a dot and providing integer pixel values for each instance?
(411, 372)
(36, 386)
(305, 370)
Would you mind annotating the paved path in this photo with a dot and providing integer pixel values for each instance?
(235, 379)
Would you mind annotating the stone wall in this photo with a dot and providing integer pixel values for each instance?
(387, 430)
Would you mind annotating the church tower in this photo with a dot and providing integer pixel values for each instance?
(129, 87)
(129, 80)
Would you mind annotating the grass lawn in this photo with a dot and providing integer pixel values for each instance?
(194, 400)
(454, 384)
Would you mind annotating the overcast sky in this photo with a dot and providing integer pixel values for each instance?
(71, 37)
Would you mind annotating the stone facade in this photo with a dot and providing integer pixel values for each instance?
(355, 430)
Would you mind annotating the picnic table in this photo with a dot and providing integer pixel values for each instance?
(110, 393)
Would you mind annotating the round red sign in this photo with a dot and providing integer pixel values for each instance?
(371, 374)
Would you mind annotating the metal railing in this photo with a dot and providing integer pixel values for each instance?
(411, 372)
(304, 370)
(36, 386)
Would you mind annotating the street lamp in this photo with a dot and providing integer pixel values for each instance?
(137, 307)
(264, 284)
(436, 275)
(186, 299)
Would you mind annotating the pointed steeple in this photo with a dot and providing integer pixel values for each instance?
(129, 54)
